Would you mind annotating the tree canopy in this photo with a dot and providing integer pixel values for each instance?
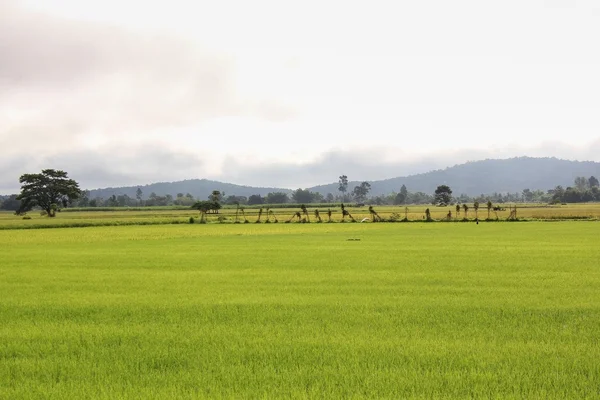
(277, 198)
(360, 192)
(48, 190)
(443, 195)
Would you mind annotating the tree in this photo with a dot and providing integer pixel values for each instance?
(182, 200)
(10, 203)
(476, 207)
(443, 195)
(466, 210)
(302, 196)
(277, 198)
(215, 196)
(139, 194)
(593, 182)
(581, 183)
(489, 207)
(204, 207)
(84, 199)
(557, 194)
(404, 192)
(329, 198)
(343, 186)
(49, 190)
(527, 195)
(233, 200)
(360, 192)
(255, 199)
(402, 196)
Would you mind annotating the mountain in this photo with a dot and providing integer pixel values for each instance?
(486, 176)
(199, 188)
(472, 178)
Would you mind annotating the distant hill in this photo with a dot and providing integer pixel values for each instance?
(486, 176)
(473, 178)
(199, 188)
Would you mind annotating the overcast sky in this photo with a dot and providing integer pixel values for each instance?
(291, 94)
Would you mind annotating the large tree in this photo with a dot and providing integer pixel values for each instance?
(443, 195)
(593, 182)
(49, 190)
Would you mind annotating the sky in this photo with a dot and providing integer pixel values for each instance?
(291, 94)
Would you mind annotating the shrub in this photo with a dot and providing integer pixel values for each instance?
(192, 220)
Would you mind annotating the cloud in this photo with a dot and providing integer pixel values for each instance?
(107, 166)
(376, 163)
(62, 80)
(113, 104)
(126, 166)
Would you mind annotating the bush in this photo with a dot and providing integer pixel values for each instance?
(192, 220)
(26, 217)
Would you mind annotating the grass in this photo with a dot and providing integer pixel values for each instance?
(301, 311)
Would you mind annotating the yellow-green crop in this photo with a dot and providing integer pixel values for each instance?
(301, 311)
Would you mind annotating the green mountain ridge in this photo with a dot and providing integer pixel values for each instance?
(471, 178)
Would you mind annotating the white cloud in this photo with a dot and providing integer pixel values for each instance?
(252, 86)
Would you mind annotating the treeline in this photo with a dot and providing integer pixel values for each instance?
(583, 190)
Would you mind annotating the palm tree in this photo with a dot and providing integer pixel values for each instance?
(489, 208)
(466, 210)
(476, 207)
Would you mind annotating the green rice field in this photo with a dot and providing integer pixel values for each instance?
(300, 311)
(169, 215)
